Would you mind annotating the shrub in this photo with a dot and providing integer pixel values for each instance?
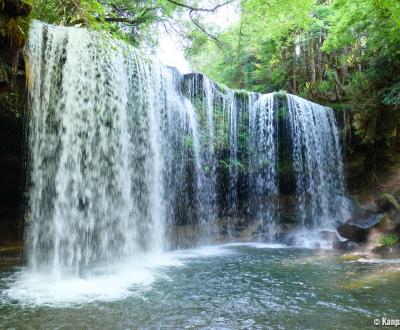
(389, 240)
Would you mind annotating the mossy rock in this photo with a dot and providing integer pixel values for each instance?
(14, 22)
(3, 74)
(281, 95)
(358, 229)
(387, 202)
(16, 31)
(385, 223)
(16, 7)
(352, 257)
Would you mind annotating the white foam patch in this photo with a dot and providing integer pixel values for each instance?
(310, 239)
(202, 252)
(113, 283)
(259, 245)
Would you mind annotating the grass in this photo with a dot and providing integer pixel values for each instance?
(389, 240)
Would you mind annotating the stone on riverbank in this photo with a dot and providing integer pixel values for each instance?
(358, 229)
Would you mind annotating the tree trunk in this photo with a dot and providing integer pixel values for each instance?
(311, 60)
(345, 66)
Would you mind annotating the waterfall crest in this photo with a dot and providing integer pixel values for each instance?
(123, 151)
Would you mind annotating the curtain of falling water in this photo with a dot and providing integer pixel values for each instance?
(317, 164)
(201, 91)
(108, 157)
(118, 154)
(263, 161)
(231, 104)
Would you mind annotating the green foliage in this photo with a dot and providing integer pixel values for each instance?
(389, 240)
(224, 164)
(391, 95)
(124, 19)
(188, 142)
(342, 53)
(9, 100)
(335, 40)
(391, 199)
(282, 111)
(15, 28)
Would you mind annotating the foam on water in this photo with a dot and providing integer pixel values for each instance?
(108, 283)
(258, 245)
(101, 284)
(309, 239)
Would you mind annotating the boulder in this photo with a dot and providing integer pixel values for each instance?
(396, 230)
(386, 250)
(395, 216)
(345, 245)
(387, 202)
(358, 229)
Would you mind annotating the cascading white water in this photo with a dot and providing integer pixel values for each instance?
(201, 91)
(209, 210)
(263, 160)
(317, 164)
(122, 152)
(119, 154)
(232, 109)
(106, 129)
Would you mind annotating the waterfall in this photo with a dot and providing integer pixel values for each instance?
(201, 91)
(317, 164)
(125, 154)
(230, 104)
(263, 160)
(111, 141)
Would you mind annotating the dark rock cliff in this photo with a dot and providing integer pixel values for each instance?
(14, 22)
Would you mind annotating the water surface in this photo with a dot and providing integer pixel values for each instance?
(221, 287)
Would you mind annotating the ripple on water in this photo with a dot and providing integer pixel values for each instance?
(227, 286)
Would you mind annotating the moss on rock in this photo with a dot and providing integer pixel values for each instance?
(387, 202)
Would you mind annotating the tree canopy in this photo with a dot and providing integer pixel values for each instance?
(345, 53)
(302, 46)
(125, 19)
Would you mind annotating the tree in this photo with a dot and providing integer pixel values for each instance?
(125, 19)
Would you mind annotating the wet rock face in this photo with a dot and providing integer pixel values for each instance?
(358, 229)
(387, 202)
(345, 245)
(14, 22)
(11, 137)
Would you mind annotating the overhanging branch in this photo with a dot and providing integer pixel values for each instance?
(202, 29)
(213, 9)
(112, 20)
